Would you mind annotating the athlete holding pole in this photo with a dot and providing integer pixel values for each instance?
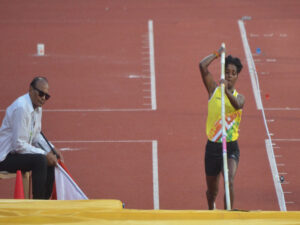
(234, 103)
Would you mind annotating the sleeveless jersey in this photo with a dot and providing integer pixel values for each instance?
(214, 120)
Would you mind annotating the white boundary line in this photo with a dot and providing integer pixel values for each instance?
(256, 90)
(276, 180)
(152, 64)
(104, 141)
(94, 110)
(154, 161)
(97, 110)
(283, 109)
(251, 65)
(155, 175)
(287, 139)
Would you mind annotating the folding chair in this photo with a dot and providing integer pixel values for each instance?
(26, 178)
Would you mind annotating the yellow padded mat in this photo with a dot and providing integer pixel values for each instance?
(110, 212)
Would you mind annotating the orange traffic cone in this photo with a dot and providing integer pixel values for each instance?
(19, 191)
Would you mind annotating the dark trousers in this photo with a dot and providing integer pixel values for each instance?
(42, 174)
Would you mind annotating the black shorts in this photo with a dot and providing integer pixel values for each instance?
(214, 156)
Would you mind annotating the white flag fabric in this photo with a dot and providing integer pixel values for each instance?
(66, 188)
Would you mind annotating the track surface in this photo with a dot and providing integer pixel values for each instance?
(97, 63)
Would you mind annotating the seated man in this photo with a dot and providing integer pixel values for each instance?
(20, 137)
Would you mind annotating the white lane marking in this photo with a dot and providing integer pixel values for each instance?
(283, 35)
(92, 110)
(251, 65)
(70, 149)
(155, 175)
(269, 35)
(280, 164)
(102, 141)
(97, 110)
(271, 60)
(283, 109)
(132, 76)
(154, 160)
(259, 105)
(152, 64)
(282, 173)
(278, 188)
(286, 139)
(246, 18)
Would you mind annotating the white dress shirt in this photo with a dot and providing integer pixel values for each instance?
(21, 127)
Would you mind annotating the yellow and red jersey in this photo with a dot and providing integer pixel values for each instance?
(214, 120)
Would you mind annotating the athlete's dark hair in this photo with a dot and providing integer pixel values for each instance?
(235, 61)
(36, 79)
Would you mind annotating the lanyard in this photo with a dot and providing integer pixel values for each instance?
(32, 127)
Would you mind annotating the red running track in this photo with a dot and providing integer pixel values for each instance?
(97, 59)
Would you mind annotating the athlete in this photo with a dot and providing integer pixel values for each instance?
(234, 103)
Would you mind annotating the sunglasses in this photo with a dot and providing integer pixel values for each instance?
(41, 93)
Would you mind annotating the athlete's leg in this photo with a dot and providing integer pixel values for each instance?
(212, 183)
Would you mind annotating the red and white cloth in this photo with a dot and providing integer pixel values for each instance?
(65, 187)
